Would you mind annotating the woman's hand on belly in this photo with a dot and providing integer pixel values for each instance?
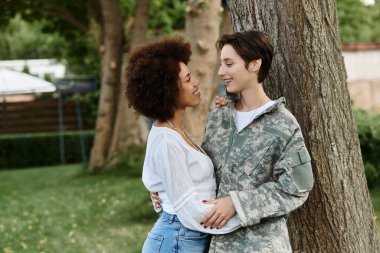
(220, 214)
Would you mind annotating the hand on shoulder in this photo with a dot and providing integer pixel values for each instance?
(220, 101)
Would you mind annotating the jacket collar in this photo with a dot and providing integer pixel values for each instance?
(277, 103)
(230, 112)
(231, 109)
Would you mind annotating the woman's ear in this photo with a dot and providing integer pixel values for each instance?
(255, 65)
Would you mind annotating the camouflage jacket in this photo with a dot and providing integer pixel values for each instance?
(266, 170)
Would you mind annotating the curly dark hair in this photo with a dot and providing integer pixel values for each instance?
(153, 77)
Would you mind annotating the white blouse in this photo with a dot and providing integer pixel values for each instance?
(183, 177)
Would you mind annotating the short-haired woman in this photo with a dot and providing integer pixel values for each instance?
(261, 162)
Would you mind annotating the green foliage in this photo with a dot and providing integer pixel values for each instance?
(28, 150)
(376, 20)
(23, 40)
(59, 209)
(369, 133)
(32, 40)
(127, 8)
(47, 36)
(375, 196)
(81, 54)
(357, 22)
(56, 14)
(167, 15)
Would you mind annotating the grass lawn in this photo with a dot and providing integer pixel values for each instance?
(59, 210)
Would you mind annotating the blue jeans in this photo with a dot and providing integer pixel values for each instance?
(169, 236)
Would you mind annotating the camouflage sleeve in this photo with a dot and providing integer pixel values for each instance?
(293, 181)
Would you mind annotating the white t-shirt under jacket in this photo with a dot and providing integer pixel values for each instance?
(183, 177)
(243, 119)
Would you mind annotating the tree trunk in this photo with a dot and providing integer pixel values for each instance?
(225, 28)
(202, 30)
(96, 26)
(308, 70)
(130, 128)
(110, 82)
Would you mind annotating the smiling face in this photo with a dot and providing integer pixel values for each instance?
(234, 72)
(189, 93)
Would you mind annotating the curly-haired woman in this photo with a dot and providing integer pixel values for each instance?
(161, 87)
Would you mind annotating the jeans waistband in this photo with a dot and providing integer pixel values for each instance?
(169, 217)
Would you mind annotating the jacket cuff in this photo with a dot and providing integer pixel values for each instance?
(245, 220)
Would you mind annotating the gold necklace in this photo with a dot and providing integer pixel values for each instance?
(260, 102)
(185, 134)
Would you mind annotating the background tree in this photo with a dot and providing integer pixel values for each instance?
(66, 17)
(111, 32)
(104, 21)
(202, 31)
(130, 127)
(308, 70)
(152, 18)
(225, 28)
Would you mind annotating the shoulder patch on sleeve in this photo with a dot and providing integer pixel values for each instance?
(301, 170)
(300, 157)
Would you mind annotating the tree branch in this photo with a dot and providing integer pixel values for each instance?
(51, 8)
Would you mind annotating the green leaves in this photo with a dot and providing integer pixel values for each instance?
(369, 133)
(23, 40)
(357, 22)
(167, 15)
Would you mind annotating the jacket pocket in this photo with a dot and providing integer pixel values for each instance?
(258, 161)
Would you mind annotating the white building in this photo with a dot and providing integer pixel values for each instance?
(362, 61)
(40, 67)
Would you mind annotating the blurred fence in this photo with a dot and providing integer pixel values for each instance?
(41, 115)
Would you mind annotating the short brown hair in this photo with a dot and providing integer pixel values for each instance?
(251, 45)
(153, 77)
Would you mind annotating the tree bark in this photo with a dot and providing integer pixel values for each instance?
(111, 66)
(130, 128)
(308, 70)
(202, 30)
(225, 28)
